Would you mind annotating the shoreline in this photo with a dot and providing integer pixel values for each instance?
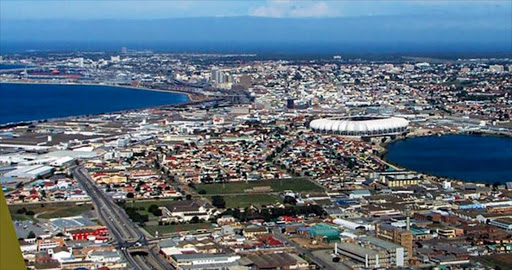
(382, 155)
(190, 96)
(29, 122)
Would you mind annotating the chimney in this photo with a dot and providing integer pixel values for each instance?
(408, 217)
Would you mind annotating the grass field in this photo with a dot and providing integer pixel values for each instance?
(163, 229)
(137, 204)
(51, 210)
(296, 184)
(242, 201)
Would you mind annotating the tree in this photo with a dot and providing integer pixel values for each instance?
(157, 212)
(194, 219)
(202, 191)
(290, 200)
(144, 218)
(130, 195)
(152, 208)
(188, 197)
(21, 210)
(31, 234)
(218, 201)
(29, 213)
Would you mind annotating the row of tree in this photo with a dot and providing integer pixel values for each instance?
(155, 210)
(269, 214)
(134, 215)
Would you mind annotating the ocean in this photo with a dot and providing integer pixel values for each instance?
(25, 102)
(9, 66)
(485, 159)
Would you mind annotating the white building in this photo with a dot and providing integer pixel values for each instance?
(206, 261)
(184, 211)
(496, 68)
(504, 223)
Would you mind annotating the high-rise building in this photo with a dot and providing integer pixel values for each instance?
(228, 78)
(80, 62)
(213, 74)
(217, 75)
(221, 78)
(395, 235)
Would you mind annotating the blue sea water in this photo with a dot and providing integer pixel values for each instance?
(9, 66)
(470, 158)
(24, 102)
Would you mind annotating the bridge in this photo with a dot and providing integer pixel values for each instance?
(135, 250)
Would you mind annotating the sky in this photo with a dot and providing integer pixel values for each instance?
(345, 25)
(130, 9)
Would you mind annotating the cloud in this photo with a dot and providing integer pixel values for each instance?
(320, 9)
(287, 8)
(267, 11)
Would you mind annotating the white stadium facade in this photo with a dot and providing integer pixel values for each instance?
(363, 126)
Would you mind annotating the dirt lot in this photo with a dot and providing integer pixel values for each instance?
(306, 243)
(503, 261)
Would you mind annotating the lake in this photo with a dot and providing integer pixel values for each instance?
(25, 102)
(470, 158)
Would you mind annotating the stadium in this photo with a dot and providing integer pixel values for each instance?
(363, 126)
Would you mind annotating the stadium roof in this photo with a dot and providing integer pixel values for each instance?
(359, 124)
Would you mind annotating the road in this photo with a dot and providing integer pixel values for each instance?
(123, 231)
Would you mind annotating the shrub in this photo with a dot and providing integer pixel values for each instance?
(218, 201)
(195, 219)
(152, 208)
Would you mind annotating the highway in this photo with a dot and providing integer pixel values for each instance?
(122, 230)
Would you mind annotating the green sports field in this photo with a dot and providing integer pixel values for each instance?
(296, 184)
